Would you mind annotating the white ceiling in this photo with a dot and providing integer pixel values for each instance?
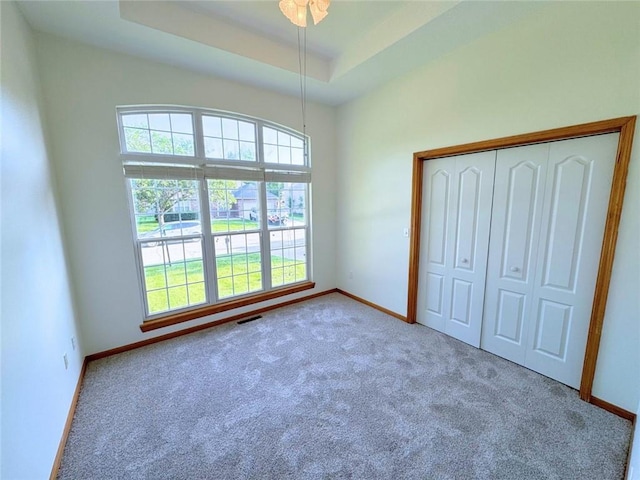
(358, 46)
(328, 39)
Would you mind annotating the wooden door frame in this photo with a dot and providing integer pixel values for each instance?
(626, 127)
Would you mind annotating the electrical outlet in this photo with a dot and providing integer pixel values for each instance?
(73, 342)
(405, 232)
(66, 361)
(350, 275)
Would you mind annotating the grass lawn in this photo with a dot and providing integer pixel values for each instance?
(184, 281)
(234, 225)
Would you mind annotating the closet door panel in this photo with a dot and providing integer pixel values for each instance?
(519, 211)
(515, 221)
(470, 220)
(467, 216)
(440, 186)
(433, 289)
(578, 184)
(510, 316)
(456, 209)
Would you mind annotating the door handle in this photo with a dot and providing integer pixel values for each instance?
(514, 269)
(465, 260)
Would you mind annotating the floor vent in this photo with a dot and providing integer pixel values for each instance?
(250, 319)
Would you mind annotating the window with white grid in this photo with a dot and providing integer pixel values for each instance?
(158, 133)
(219, 206)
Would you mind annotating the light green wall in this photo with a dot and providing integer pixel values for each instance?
(83, 86)
(37, 310)
(567, 63)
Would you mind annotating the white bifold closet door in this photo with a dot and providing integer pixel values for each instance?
(455, 240)
(549, 210)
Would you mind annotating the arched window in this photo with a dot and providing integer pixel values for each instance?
(219, 207)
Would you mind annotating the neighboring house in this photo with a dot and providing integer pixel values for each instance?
(246, 204)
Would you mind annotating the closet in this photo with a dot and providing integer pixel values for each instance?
(510, 245)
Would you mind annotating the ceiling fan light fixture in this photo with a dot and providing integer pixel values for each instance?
(318, 10)
(296, 10)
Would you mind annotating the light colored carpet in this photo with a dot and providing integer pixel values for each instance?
(330, 388)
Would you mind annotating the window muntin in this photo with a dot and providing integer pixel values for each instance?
(165, 208)
(229, 138)
(158, 133)
(288, 256)
(238, 264)
(234, 205)
(291, 205)
(282, 148)
(254, 237)
(167, 214)
(173, 275)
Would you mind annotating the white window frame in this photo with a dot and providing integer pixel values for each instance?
(201, 168)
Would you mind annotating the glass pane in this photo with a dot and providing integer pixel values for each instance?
(178, 297)
(160, 121)
(197, 293)
(137, 140)
(213, 147)
(301, 272)
(289, 273)
(165, 208)
(231, 150)
(284, 139)
(225, 287)
(296, 142)
(147, 224)
(300, 240)
(277, 277)
(236, 255)
(176, 274)
(280, 147)
(241, 268)
(247, 151)
(195, 272)
(284, 155)
(288, 256)
(179, 261)
(295, 200)
(230, 128)
(286, 204)
(138, 120)
(172, 267)
(234, 205)
(224, 208)
(297, 156)
(211, 126)
(274, 196)
(155, 277)
(252, 266)
(247, 131)
(271, 154)
(161, 142)
(153, 133)
(255, 282)
(240, 284)
(183, 144)
(269, 135)
(168, 227)
(181, 123)
(157, 301)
